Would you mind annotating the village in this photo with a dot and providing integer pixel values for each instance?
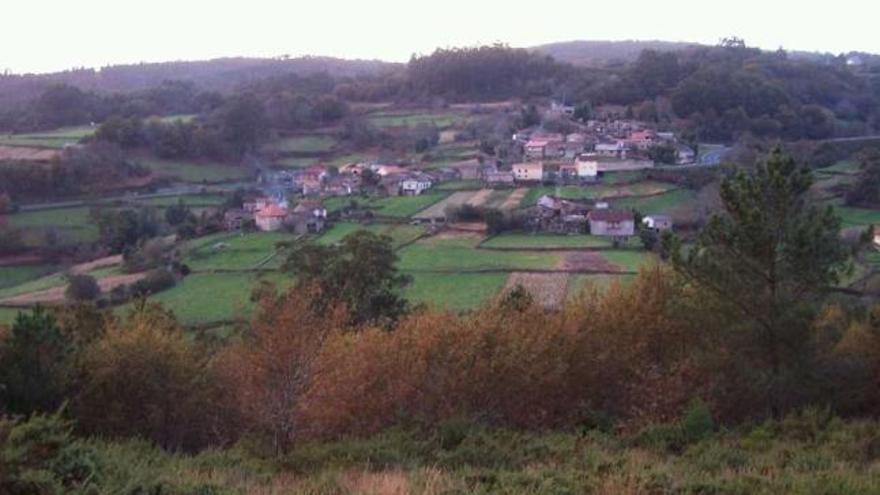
(577, 159)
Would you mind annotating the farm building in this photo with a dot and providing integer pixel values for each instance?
(499, 179)
(415, 184)
(611, 223)
(684, 154)
(271, 218)
(617, 149)
(560, 216)
(234, 219)
(528, 172)
(658, 223)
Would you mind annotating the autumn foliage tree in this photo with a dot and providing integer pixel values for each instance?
(269, 371)
(146, 378)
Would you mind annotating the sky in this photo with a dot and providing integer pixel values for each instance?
(51, 35)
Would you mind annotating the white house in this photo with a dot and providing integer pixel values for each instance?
(586, 169)
(658, 223)
(415, 185)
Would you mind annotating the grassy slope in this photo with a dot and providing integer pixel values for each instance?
(773, 458)
(303, 144)
(11, 276)
(529, 241)
(197, 172)
(234, 252)
(456, 292)
(48, 139)
(460, 255)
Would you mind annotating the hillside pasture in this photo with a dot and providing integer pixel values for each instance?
(438, 254)
(206, 298)
(438, 209)
(303, 144)
(441, 119)
(57, 139)
(454, 292)
(196, 172)
(235, 252)
(546, 241)
(63, 225)
(10, 276)
(666, 203)
(406, 206)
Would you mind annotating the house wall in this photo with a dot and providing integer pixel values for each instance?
(269, 224)
(612, 229)
(528, 173)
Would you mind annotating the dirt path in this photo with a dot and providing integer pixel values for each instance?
(480, 197)
(547, 289)
(512, 202)
(95, 264)
(56, 294)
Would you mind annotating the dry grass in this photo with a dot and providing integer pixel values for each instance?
(547, 289)
(513, 201)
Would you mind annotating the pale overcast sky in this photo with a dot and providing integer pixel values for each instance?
(49, 35)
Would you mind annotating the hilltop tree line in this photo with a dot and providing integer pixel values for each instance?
(744, 322)
(717, 93)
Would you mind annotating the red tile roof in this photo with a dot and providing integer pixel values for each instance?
(272, 211)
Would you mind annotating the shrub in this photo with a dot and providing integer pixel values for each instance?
(82, 287)
(155, 281)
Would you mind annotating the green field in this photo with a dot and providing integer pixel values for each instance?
(629, 261)
(597, 191)
(303, 144)
(400, 234)
(234, 251)
(198, 172)
(11, 276)
(391, 206)
(297, 162)
(405, 206)
(193, 200)
(212, 297)
(456, 292)
(661, 204)
(46, 282)
(461, 255)
(408, 119)
(459, 185)
(547, 241)
(857, 217)
(48, 139)
(351, 158)
(71, 225)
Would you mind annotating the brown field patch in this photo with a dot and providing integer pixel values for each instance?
(547, 289)
(512, 202)
(56, 294)
(480, 197)
(587, 261)
(452, 234)
(98, 263)
(27, 154)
